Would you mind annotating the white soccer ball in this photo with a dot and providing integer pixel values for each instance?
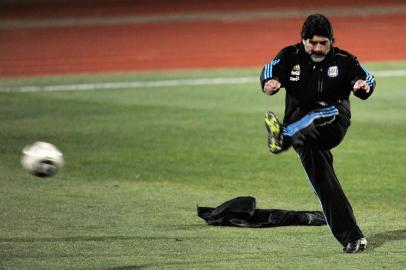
(42, 159)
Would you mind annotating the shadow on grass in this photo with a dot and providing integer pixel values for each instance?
(85, 239)
(105, 237)
(379, 239)
(131, 267)
(191, 264)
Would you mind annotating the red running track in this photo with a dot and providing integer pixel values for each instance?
(182, 45)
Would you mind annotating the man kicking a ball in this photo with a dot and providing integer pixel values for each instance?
(318, 79)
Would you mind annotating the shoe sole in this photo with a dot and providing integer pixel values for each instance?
(273, 127)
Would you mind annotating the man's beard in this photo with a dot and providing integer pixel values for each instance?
(317, 57)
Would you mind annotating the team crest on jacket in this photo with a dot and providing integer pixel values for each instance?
(332, 72)
(295, 73)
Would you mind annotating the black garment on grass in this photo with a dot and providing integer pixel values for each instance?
(242, 212)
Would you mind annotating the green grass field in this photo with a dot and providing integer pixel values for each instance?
(138, 161)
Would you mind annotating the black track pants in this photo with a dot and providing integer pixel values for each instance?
(312, 138)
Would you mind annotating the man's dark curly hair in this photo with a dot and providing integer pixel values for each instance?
(317, 24)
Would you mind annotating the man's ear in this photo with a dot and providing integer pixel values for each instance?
(303, 41)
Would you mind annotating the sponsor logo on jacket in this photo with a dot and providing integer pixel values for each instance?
(295, 73)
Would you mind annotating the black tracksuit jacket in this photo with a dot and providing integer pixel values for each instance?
(309, 84)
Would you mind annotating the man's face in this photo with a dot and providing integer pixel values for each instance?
(317, 47)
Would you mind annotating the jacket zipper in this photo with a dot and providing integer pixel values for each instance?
(320, 81)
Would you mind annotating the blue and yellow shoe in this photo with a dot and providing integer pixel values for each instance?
(275, 137)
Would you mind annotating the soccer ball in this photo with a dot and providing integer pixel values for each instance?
(42, 159)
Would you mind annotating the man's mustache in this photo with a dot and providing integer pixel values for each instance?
(318, 54)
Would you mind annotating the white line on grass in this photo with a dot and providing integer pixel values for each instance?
(161, 83)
